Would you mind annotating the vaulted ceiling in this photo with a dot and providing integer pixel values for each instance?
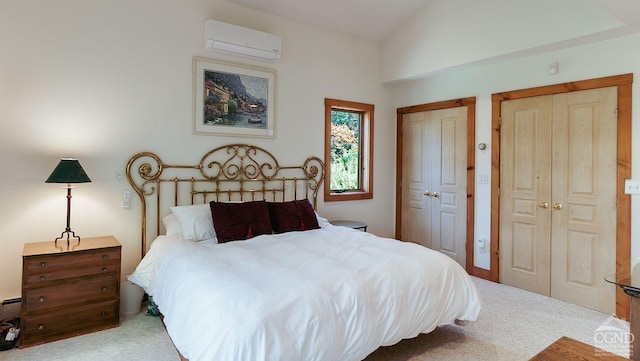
(490, 31)
(370, 19)
(378, 19)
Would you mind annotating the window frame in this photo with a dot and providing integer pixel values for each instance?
(366, 153)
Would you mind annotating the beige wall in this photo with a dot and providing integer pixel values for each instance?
(611, 57)
(101, 81)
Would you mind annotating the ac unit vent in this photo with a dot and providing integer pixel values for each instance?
(236, 40)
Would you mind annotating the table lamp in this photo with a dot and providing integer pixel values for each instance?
(68, 171)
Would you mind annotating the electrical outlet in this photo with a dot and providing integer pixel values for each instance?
(631, 186)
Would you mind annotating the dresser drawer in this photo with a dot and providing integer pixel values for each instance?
(37, 279)
(45, 263)
(68, 292)
(80, 291)
(69, 322)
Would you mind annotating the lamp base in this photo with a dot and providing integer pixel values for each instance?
(70, 234)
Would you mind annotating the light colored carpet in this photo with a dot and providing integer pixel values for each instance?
(141, 338)
(513, 325)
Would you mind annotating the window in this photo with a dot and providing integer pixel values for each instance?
(348, 150)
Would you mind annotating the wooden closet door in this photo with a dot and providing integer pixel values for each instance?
(558, 196)
(448, 167)
(434, 180)
(525, 193)
(583, 234)
(416, 206)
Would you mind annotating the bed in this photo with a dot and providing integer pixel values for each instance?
(231, 288)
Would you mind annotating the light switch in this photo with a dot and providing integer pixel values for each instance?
(126, 199)
(482, 245)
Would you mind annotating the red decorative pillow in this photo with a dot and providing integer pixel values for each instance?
(239, 221)
(296, 215)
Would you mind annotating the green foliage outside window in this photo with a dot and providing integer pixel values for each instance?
(345, 150)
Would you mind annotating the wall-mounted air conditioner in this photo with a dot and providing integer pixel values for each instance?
(231, 39)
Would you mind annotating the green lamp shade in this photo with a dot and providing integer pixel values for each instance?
(68, 171)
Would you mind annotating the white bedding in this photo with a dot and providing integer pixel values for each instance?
(328, 294)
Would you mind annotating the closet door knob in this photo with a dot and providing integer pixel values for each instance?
(427, 193)
(544, 205)
(435, 195)
(557, 206)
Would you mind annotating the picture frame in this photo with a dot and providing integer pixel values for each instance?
(233, 100)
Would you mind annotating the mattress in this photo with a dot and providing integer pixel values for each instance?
(327, 294)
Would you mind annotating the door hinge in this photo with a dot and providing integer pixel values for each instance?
(498, 252)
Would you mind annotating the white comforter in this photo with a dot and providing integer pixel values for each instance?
(327, 294)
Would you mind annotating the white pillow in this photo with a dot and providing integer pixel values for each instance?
(196, 223)
(322, 222)
(171, 225)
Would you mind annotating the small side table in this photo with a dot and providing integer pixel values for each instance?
(350, 224)
(628, 278)
(69, 292)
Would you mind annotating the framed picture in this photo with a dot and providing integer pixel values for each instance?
(235, 100)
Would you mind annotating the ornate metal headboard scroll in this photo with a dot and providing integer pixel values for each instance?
(233, 172)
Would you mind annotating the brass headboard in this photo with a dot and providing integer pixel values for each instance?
(233, 172)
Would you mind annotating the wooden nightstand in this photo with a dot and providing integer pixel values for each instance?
(350, 224)
(71, 291)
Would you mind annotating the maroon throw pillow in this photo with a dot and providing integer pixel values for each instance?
(295, 215)
(239, 221)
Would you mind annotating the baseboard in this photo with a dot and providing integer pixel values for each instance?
(481, 273)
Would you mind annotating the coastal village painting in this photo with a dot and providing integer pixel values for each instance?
(234, 100)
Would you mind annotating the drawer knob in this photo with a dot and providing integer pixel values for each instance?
(104, 256)
(102, 314)
(104, 269)
(42, 264)
(104, 289)
(42, 278)
(41, 299)
(40, 327)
